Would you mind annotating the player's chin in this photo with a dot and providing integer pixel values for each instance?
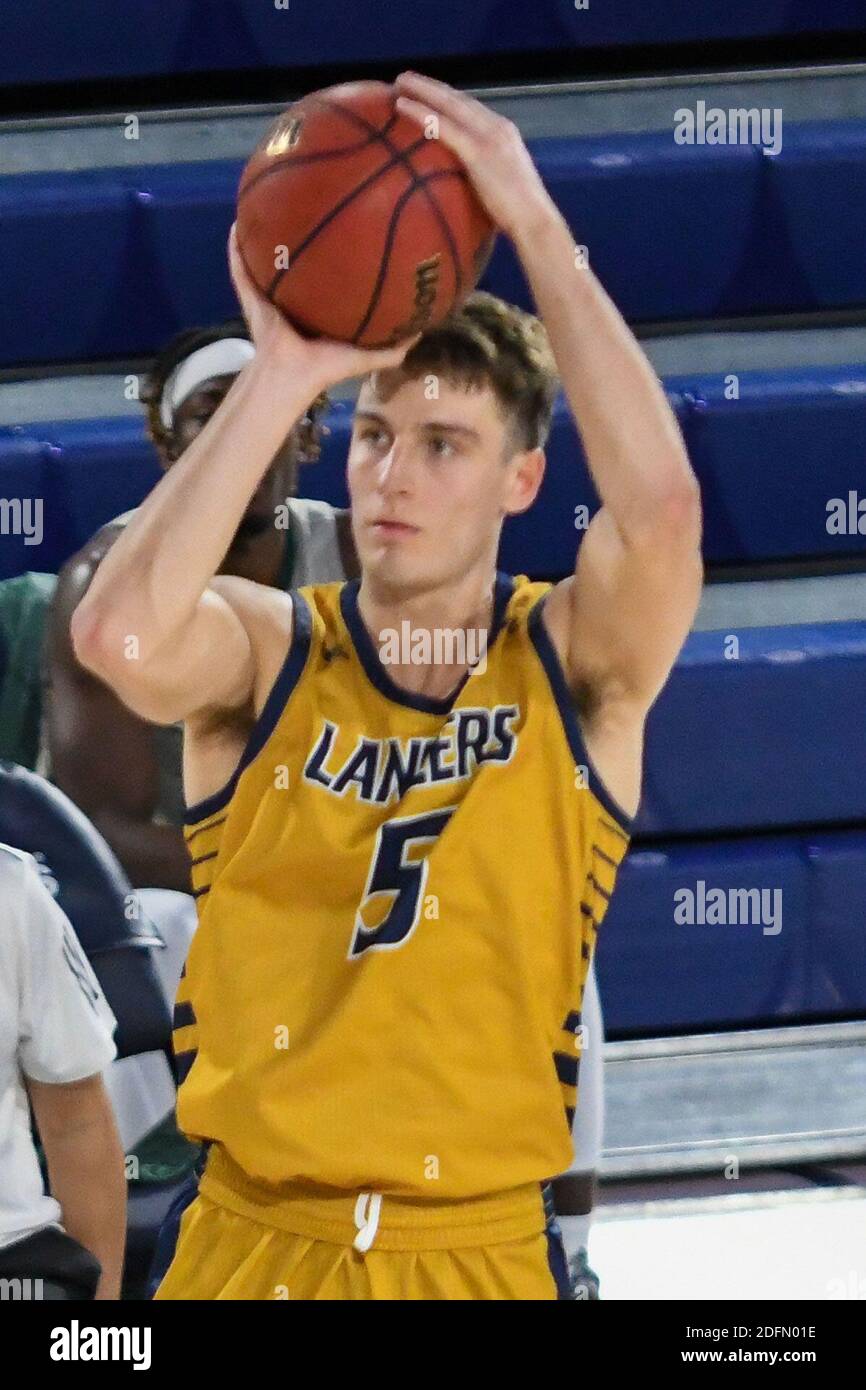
(397, 565)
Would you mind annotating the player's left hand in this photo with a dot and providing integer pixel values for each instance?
(489, 146)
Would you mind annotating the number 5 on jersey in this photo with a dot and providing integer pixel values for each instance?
(391, 873)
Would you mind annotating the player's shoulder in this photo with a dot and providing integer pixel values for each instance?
(541, 614)
(18, 865)
(103, 539)
(76, 573)
(282, 627)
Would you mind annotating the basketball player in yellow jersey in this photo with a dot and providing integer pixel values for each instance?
(401, 871)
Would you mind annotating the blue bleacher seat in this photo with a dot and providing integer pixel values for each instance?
(657, 974)
(817, 184)
(97, 473)
(771, 461)
(790, 434)
(752, 741)
(140, 254)
(674, 231)
(837, 942)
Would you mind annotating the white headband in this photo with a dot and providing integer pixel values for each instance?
(225, 357)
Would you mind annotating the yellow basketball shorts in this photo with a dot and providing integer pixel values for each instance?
(239, 1241)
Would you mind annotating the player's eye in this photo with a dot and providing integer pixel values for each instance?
(370, 430)
(439, 439)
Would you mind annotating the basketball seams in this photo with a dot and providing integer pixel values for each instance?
(443, 220)
(302, 160)
(421, 186)
(377, 133)
(397, 157)
(385, 258)
(297, 161)
(331, 215)
(363, 124)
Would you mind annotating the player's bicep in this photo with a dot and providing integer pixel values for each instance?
(631, 607)
(208, 664)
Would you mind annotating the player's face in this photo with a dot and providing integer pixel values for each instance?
(279, 482)
(431, 481)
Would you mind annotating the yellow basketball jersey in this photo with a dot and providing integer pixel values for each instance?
(398, 898)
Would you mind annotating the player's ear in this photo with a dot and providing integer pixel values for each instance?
(526, 470)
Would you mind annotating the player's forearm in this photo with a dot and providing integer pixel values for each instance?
(631, 438)
(150, 581)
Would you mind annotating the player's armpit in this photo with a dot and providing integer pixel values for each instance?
(619, 622)
(211, 664)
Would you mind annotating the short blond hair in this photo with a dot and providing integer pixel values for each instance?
(488, 342)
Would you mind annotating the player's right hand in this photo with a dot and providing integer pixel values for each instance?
(321, 362)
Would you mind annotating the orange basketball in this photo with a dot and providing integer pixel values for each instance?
(355, 224)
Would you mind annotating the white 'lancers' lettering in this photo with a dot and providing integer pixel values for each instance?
(380, 770)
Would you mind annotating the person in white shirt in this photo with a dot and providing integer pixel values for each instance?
(56, 1038)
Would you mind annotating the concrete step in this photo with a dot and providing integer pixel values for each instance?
(607, 107)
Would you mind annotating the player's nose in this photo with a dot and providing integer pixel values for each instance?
(394, 469)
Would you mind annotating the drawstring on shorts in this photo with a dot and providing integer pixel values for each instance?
(367, 1219)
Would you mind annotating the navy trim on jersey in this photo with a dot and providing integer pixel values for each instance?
(169, 1231)
(375, 671)
(567, 1068)
(184, 1015)
(200, 829)
(290, 673)
(183, 1064)
(558, 1264)
(565, 703)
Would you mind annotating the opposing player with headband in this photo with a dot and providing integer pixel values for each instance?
(401, 872)
(224, 357)
(125, 773)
